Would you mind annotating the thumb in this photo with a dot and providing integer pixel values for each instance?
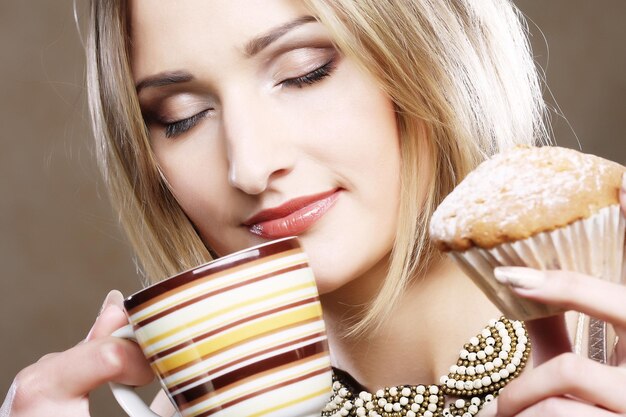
(113, 298)
(549, 337)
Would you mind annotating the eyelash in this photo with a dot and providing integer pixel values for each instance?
(179, 127)
(312, 77)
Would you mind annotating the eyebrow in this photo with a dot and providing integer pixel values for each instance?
(164, 78)
(256, 45)
(252, 48)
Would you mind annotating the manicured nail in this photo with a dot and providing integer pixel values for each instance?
(114, 297)
(519, 277)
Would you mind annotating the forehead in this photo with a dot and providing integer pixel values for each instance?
(169, 34)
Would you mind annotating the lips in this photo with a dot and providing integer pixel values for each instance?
(293, 217)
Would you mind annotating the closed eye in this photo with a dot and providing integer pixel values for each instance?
(179, 127)
(312, 77)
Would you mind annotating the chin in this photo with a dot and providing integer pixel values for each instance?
(329, 277)
(326, 286)
(334, 267)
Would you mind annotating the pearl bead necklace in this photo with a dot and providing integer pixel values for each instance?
(486, 364)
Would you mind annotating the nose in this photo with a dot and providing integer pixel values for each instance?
(256, 144)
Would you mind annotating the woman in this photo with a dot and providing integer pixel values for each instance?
(226, 123)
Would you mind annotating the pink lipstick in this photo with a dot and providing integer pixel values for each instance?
(293, 217)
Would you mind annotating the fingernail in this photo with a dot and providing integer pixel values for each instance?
(519, 277)
(114, 297)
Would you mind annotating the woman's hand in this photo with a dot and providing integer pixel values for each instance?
(562, 383)
(59, 383)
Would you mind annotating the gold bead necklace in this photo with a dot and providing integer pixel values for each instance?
(488, 362)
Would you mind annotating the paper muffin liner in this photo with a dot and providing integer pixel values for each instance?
(593, 246)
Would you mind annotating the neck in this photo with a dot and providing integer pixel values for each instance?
(430, 323)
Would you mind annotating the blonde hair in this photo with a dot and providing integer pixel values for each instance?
(462, 78)
(162, 236)
(459, 72)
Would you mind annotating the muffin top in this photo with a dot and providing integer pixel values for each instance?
(521, 192)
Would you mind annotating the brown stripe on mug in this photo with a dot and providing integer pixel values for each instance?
(175, 388)
(158, 291)
(243, 375)
(259, 336)
(217, 292)
(263, 391)
(222, 329)
(203, 278)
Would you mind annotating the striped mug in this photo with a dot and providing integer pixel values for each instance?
(242, 336)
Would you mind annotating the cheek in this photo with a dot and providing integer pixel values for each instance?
(353, 134)
(357, 137)
(196, 172)
(193, 169)
(350, 123)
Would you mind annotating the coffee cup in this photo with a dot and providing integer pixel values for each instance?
(239, 336)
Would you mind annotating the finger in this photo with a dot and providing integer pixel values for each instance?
(550, 338)
(110, 318)
(618, 357)
(81, 369)
(570, 290)
(162, 405)
(567, 374)
(45, 358)
(564, 407)
(490, 409)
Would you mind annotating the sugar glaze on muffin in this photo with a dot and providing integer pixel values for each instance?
(521, 192)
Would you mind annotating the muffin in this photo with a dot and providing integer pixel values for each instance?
(540, 207)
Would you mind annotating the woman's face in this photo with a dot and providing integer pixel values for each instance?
(264, 130)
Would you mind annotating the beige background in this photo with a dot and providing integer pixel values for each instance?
(60, 247)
